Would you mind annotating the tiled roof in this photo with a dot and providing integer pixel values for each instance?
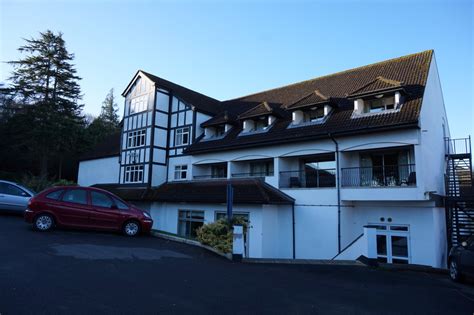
(204, 103)
(264, 108)
(246, 191)
(221, 118)
(109, 147)
(378, 84)
(315, 97)
(412, 70)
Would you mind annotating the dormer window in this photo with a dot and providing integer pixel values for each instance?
(261, 124)
(380, 104)
(219, 131)
(313, 114)
(216, 132)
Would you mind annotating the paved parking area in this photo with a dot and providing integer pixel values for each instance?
(74, 272)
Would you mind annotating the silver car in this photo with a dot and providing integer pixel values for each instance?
(14, 197)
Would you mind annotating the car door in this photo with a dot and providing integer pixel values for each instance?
(105, 213)
(13, 198)
(74, 208)
(467, 257)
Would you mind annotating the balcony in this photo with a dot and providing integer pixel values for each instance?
(252, 174)
(379, 176)
(308, 178)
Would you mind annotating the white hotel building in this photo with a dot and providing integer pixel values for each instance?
(335, 167)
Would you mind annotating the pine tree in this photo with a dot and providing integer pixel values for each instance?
(45, 81)
(109, 110)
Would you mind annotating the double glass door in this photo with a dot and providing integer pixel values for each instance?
(393, 244)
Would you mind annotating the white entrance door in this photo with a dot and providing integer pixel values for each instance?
(393, 244)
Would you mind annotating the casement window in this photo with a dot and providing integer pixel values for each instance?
(180, 172)
(139, 104)
(378, 105)
(189, 221)
(136, 138)
(134, 174)
(182, 136)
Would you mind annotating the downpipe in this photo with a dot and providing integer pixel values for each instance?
(338, 186)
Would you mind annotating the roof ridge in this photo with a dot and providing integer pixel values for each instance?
(150, 75)
(335, 73)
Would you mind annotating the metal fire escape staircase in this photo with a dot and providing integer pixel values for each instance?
(459, 191)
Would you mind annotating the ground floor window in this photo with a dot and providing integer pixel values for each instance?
(189, 221)
(393, 244)
(134, 174)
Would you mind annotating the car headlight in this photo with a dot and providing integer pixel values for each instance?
(146, 215)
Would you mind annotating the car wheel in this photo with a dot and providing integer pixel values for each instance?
(131, 228)
(454, 271)
(44, 222)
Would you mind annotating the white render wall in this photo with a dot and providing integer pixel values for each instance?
(272, 239)
(432, 120)
(99, 171)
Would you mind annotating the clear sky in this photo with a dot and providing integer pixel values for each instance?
(227, 49)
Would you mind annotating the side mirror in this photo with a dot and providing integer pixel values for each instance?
(464, 244)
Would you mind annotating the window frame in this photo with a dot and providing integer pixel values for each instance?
(188, 220)
(112, 204)
(181, 169)
(381, 108)
(136, 138)
(139, 104)
(180, 134)
(135, 172)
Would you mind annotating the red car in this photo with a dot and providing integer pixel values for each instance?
(85, 207)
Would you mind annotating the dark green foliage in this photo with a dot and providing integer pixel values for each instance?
(219, 234)
(42, 128)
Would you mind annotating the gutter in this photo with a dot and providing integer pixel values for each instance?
(338, 184)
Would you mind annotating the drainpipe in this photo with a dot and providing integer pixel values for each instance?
(338, 185)
(293, 219)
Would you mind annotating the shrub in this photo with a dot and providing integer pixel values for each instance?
(218, 234)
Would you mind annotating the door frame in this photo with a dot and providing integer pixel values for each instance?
(388, 232)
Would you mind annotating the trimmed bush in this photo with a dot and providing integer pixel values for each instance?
(218, 234)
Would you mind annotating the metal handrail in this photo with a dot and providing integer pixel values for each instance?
(308, 178)
(253, 174)
(376, 176)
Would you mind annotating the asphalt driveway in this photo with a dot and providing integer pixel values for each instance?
(74, 272)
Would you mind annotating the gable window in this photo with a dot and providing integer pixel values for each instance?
(134, 174)
(138, 104)
(182, 136)
(136, 138)
(378, 105)
(180, 172)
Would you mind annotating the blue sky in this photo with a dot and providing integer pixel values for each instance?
(233, 48)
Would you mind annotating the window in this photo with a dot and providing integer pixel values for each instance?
(180, 171)
(134, 174)
(219, 171)
(139, 104)
(261, 124)
(182, 136)
(55, 194)
(8, 189)
(313, 115)
(120, 204)
(378, 105)
(75, 196)
(189, 221)
(101, 200)
(219, 131)
(263, 168)
(136, 138)
(393, 244)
